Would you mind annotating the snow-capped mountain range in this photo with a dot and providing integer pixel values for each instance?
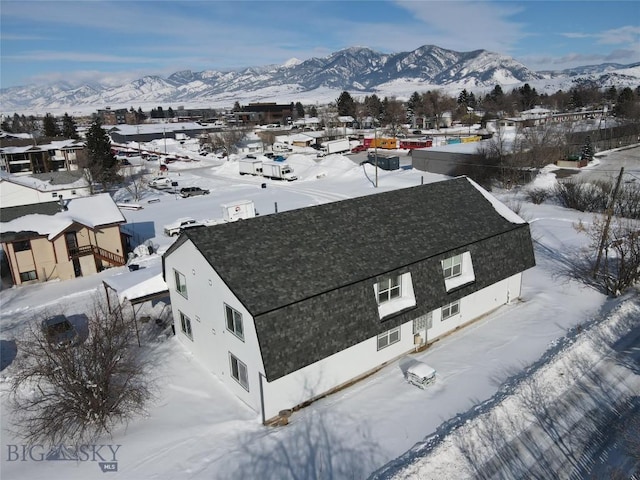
(358, 70)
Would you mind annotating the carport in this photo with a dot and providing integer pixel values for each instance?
(136, 287)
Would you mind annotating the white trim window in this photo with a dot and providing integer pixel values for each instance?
(389, 288)
(388, 338)
(185, 326)
(451, 310)
(239, 371)
(452, 266)
(234, 321)
(394, 293)
(457, 270)
(181, 283)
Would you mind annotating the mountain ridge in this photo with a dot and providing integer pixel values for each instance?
(358, 70)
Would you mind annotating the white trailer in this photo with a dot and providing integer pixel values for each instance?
(239, 210)
(278, 171)
(336, 146)
(250, 166)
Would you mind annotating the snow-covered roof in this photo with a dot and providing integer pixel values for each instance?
(139, 284)
(44, 182)
(92, 211)
(156, 128)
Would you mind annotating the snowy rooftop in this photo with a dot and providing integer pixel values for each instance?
(90, 211)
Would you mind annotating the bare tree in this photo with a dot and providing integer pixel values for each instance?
(228, 140)
(75, 393)
(620, 265)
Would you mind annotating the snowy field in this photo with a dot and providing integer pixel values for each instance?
(197, 429)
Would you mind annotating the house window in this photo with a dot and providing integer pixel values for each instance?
(239, 372)
(21, 246)
(181, 283)
(185, 325)
(234, 322)
(394, 294)
(450, 310)
(457, 271)
(452, 266)
(388, 289)
(388, 338)
(27, 276)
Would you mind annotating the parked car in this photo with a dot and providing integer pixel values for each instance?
(180, 225)
(59, 332)
(160, 182)
(192, 192)
(359, 148)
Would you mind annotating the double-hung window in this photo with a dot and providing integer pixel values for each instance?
(388, 338)
(452, 266)
(181, 283)
(239, 371)
(389, 288)
(234, 322)
(457, 270)
(185, 325)
(450, 310)
(394, 293)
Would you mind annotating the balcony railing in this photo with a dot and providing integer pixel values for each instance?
(96, 252)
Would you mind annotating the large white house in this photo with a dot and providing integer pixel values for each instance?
(42, 187)
(288, 307)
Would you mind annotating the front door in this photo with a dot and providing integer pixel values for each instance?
(420, 327)
(72, 249)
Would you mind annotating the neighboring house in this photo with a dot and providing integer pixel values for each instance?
(50, 157)
(62, 240)
(288, 307)
(41, 187)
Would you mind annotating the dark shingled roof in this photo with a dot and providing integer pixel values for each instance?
(277, 260)
(45, 208)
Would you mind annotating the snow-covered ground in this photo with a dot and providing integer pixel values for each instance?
(196, 428)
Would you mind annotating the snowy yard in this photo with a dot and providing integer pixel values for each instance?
(197, 429)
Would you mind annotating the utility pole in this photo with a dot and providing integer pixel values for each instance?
(605, 230)
(375, 150)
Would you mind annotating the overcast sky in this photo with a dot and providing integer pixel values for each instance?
(116, 41)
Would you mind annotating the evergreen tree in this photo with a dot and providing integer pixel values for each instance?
(101, 163)
(626, 104)
(463, 98)
(587, 149)
(373, 106)
(160, 113)
(611, 94)
(299, 110)
(50, 126)
(413, 104)
(313, 111)
(237, 107)
(140, 116)
(528, 97)
(346, 105)
(16, 124)
(69, 129)
(170, 113)
(6, 126)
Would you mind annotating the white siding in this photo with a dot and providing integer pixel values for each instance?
(13, 194)
(325, 375)
(475, 305)
(211, 342)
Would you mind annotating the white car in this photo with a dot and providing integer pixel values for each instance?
(180, 225)
(160, 182)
